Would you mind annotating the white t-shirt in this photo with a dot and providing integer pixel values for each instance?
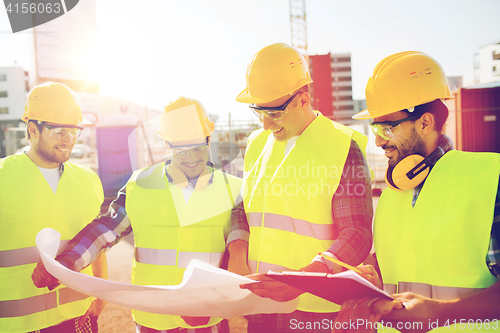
(51, 176)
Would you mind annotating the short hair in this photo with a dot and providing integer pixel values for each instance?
(39, 126)
(437, 108)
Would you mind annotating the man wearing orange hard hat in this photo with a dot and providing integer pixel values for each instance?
(179, 210)
(437, 226)
(42, 189)
(293, 208)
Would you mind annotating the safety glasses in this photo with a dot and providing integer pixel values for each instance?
(61, 132)
(272, 112)
(184, 150)
(388, 129)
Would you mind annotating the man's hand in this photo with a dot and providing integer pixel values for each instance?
(237, 263)
(41, 278)
(364, 312)
(238, 266)
(370, 274)
(94, 310)
(196, 321)
(278, 291)
(418, 310)
(270, 288)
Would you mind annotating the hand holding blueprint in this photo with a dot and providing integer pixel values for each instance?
(205, 290)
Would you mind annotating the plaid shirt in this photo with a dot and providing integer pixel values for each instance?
(98, 236)
(351, 212)
(493, 255)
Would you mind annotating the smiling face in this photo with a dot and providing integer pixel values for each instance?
(46, 151)
(293, 123)
(403, 144)
(190, 156)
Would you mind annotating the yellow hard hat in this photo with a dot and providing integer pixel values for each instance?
(53, 102)
(185, 119)
(403, 81)
(275, 71)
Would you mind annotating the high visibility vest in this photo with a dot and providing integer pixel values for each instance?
(28, 205)
(438, 248)
(288, 200)
(164, 248)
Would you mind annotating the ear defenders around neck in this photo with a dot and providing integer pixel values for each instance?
(180, 179)
(411, 171)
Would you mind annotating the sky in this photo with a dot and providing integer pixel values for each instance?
(152, 51)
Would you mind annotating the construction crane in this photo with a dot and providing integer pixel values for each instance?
(298, 25)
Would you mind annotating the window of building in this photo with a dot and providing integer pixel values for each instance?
(4, 94)
(345, 88)
(3, 77)
(343, 59)
(4, 110)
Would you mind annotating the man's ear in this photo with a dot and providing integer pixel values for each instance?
(33, 130)
(427, 123)
(304, 99)
(165, 144)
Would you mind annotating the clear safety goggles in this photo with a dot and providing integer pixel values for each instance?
(184, 150)
(388, 129)
(272, 112)
(62, 132)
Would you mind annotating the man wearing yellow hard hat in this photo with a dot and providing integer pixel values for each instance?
(179, 210)
(42, 189)
(437, 226)
(300, 193)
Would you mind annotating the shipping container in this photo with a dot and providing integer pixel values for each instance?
(478, 118)
(118, 151)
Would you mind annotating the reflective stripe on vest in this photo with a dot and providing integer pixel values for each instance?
(168, 257)
(24, 256)
(164, 248)
(264, 267)
(430, 291)
(27, 306)
(288, 198)
(287, 223)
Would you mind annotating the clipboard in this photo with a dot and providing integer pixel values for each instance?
(336, 288)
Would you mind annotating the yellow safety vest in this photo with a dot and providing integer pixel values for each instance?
(28, 205)
(288, 200)
(163, 248)
(438, 248)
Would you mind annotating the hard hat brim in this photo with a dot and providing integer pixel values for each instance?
(85, 122)
(244, 97)
(363, 115)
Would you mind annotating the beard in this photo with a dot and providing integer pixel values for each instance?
(413, 145)
(48, 153)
